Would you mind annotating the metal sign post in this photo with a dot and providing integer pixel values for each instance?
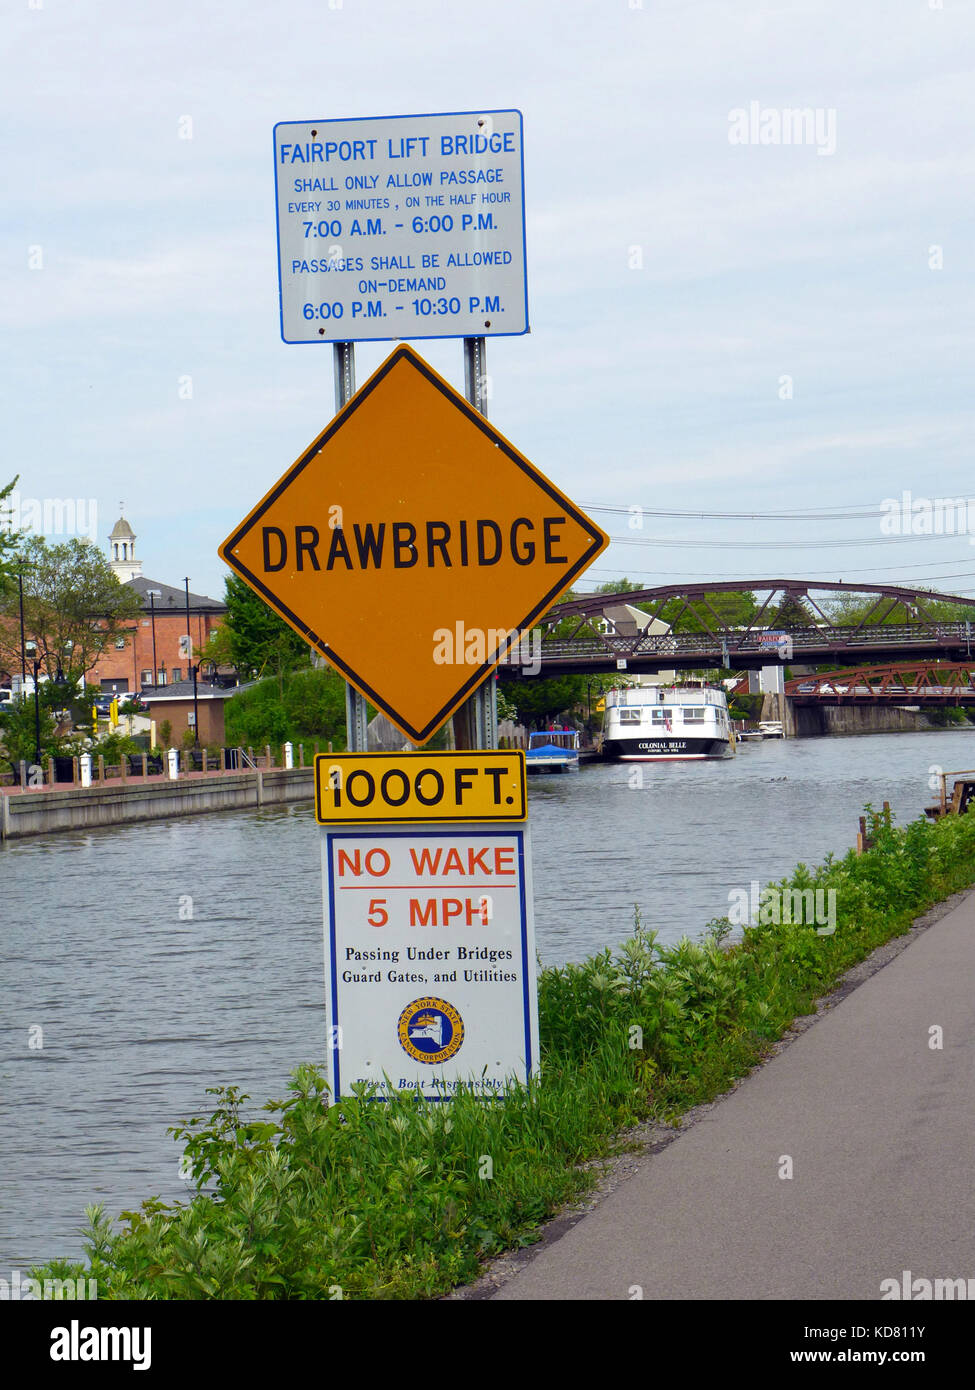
(476, 724)
(356, 713)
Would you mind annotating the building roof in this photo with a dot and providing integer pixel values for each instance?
(170, 599)
(183, 690)
(121, 531)
(630, 620)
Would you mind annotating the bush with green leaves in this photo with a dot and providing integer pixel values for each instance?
(18, 730)
(113, 747)
(404, 1198)
(303, 706)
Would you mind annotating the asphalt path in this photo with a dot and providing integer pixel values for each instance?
(879, 1128)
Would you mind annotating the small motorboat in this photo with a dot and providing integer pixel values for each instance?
(553, 750)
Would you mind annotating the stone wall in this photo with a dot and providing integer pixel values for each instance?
(117, 803)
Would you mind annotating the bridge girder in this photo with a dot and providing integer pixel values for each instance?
(909, 596)
(585, 649)
(913, 682)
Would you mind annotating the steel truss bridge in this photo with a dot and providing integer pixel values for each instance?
(931, 684)
(897, 626)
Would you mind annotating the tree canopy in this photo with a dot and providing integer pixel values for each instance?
(260, 643)
(74, 607)
(733, 609)
(9, 544)
(304, 705)
(849, 609)
(537, 701)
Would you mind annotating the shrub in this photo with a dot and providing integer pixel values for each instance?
(387, 1200)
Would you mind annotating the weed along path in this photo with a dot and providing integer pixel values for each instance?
(839, 1170)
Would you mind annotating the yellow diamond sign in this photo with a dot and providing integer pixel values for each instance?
(411, 544)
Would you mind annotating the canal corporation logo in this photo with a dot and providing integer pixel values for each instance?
(431, 1031)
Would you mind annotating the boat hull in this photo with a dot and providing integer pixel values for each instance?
(647, 750)
(551, 764)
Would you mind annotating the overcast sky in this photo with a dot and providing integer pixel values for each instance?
(681, 285)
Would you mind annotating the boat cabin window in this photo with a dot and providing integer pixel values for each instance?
(661, 716)
(629, 716)
(693, 714)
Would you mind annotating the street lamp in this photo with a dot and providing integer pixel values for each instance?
(152, 595)
(189, 635)
(196, 711)
(60, 678)
(23, 649)
(30, 652)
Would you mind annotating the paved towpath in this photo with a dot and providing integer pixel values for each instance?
(880, 1128)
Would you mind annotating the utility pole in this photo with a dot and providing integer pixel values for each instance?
(152, 595)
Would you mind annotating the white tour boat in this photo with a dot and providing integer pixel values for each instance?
(656, 722)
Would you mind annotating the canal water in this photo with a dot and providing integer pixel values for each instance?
(161, 959)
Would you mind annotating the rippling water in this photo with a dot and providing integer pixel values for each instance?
(142, 1007)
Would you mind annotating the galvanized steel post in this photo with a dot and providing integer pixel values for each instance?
(356, 721)
(479, 714)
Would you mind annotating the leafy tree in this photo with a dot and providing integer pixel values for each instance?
(9, 544)
(538, 701)
(618, 586)
(733, 609)
(74, 607)
(18, 729)
(846, 610)
(791, 612)
(260, 643)
(507, 709)
(299, 706)
(217, 649)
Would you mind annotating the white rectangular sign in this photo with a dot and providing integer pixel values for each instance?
(401, 227)
(430, 958)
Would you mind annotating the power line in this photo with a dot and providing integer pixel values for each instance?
(814, 574)
(841, 512)
(779, 545)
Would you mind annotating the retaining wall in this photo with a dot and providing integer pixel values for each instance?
(119, 803)
(806, 721)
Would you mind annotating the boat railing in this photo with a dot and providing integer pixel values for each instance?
(559, 738)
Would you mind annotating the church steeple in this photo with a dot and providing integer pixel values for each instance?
(121, 552)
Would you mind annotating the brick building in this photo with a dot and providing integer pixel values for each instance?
(152, 654)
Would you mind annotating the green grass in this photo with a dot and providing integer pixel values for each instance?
(404, 1200)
